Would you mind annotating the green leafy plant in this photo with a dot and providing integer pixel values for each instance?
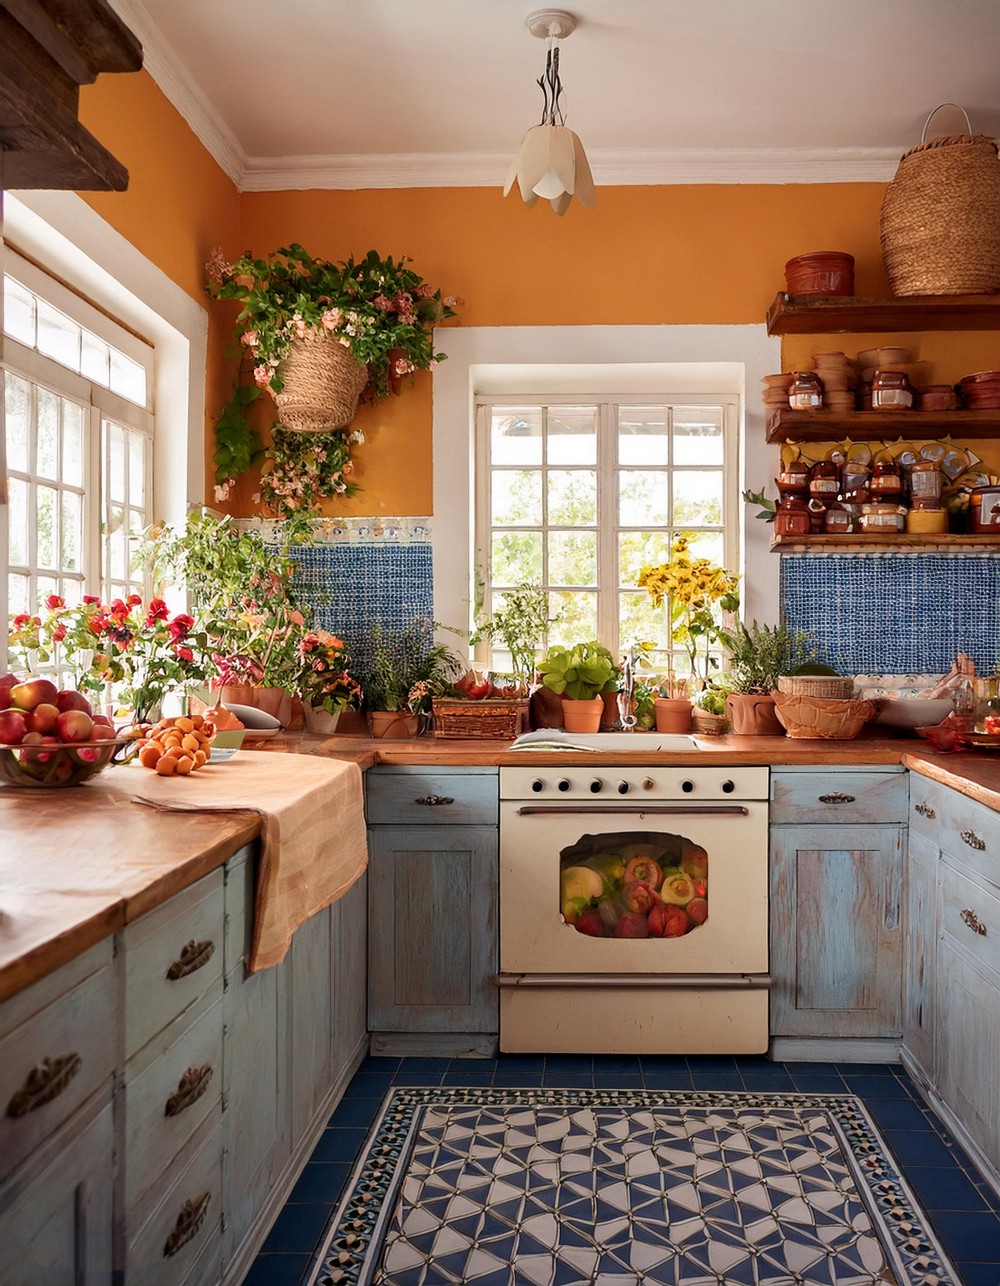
(758, 654)
(581, 672)
(713, 698)
(324, 680)
(768, 508)
(407, 669)
(519, 625)
(302, 470)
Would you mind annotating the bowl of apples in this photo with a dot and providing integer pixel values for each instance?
(50, 737)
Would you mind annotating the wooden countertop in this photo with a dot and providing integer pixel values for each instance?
(79, 864)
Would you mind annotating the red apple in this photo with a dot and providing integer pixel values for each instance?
(632, 925)
(42, 718)
(638, 897)
(70, 699)
(103, 730)
(695, 862)
(7, 682)
(102, 721)
(13, 726)
(32, 692)
(31, 751)
(657, 920)
(697, 910)
(677, 923)
(590, 922)
(74, 725)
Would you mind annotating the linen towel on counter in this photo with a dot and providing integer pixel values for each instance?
(313, 843)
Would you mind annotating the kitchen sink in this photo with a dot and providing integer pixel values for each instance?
(638, 743)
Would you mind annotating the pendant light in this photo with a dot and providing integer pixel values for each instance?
(551, 162)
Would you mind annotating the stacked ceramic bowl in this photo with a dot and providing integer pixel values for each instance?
(839, 378)
(776, 389)
(981, 392)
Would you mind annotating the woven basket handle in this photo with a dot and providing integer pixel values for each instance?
(923, 132)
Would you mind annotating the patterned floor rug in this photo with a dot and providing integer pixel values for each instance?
(576, 1187)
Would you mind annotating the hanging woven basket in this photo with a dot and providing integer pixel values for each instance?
(322, 384)
(940, 222)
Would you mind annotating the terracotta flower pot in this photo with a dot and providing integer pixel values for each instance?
(393, 723)
(582, 716)
(673, 714)
(273, 701)
(752, 715)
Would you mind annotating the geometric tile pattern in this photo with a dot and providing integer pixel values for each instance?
(550, 1186)
(895, 613)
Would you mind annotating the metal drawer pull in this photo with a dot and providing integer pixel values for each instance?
(973, 840)
(189, 1089)
(44, 1083)
(970, 918)
(837, 798)
(434, 801)
(190, 1219)
(924, 810)
(193, 957)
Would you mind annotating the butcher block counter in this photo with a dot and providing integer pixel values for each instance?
(77, 865)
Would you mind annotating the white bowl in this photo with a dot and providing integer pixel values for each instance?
(252, 718)
(912, 712)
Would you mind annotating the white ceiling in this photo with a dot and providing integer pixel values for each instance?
(387, 93)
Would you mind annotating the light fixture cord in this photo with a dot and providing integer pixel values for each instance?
(551, 87)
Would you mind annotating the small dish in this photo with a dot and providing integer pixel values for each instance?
(219, 754)
(261, 734)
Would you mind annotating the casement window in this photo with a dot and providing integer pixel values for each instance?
(78, 443)
(578, 494)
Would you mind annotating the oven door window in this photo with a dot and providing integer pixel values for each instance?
(634, 884)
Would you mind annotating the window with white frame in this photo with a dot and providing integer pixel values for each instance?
(577, 494)
(79, 443)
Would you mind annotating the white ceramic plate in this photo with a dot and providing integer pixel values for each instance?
(913, 712)
(256, 720)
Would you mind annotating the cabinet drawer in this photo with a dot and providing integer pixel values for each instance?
(180, 1243)
(168, 1099)
(971, 832)
(433, 799)
(926, 806)
(969, 913)
(818, 797)
(53, 1061)
(172, 957)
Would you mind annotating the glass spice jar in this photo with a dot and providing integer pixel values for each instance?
(882, 517)
(891, 390)
(837, 518)
(824, 480)
(805, 392)
(793, 479)
(886, 481)
(925, 485)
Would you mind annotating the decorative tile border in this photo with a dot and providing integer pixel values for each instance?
(359, 531)
(439, 1177)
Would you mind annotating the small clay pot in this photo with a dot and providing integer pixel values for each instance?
(752, 715)
(673, 714)
(582, 715)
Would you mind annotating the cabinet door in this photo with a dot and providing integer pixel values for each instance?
(432, 923)
(967, 1045)
(55, 1229)
(349, 977)
(309, 1000)
(836, 941)
(918, 962)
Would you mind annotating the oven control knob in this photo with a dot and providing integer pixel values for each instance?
(687, 787)
(648, 783)
(596, 786)
(728, 787)
(563, 784)
(537, 785)
(623, 788)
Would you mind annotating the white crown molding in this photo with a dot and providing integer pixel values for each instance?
(162, 63)
(611, 168)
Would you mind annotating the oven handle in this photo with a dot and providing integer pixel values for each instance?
(697, 981)
(682, 810)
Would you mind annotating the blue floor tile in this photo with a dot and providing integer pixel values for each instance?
(410, 1077)
(512, 1079)
(369, 1085)
(296, 1230)
(338, 1145)
(618, 1080)
(668, 1081)
(320, 1183)
(941, 1189)
(875, 1086)
(277, 1270)
(970, 1234)
(441, 1065)
(816, 1083)
(711, 1063)
(521, 1063)
(709, 1080)
(468, 1078)
(813, 1069)
(920, 1147)
(355, 1111)
(569, 1080)
(897, 1114)
(980, 1274)
(615, 1063)
(762, 1078)
(569, 1063)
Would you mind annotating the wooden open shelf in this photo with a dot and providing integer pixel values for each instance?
(872, 541)
(878, 426)
(798, 315)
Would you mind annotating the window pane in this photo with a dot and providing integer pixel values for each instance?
(18, 594)
(578, 620)
(697, 498)
(572, 497)
(44, 586)
(94, 361)
(116, 460)
(517, 497)
(137, 468)
(708, 544)
(117, 546)
(572, 435)
(698, 435)
(642, 500)
(17, 401)
(516, 436)
(17, 522)
(642, 435)
(572, 558)
(72, 531)
(19, 312)
(516, 557)
(639, 619)
(58, 337)
(72, 436)
(128, 378)
(638, 549)
(45, 527)
(47, 445)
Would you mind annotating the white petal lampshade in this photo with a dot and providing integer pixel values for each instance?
(551, 163)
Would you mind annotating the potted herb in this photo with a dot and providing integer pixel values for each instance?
(579, 675)
(758, 654)
(519, 626)
(405, 671)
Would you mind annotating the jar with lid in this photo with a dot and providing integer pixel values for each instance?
(886, 481)
(793, 480)
(925, 485)
(984, 509)
(817, 515)
(805, 392)
(891, 390)
(824, 480)
(854, 475)
(837, 519)
(882, 517)
(792, 517)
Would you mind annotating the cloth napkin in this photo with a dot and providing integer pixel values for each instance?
(313, 842)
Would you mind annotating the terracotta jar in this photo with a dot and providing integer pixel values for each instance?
(806, 392)
(752, 715)
(886, 481)
(673, 714)
(793, 480)
(824, 481)
(792, 517)
(891, 391)
(821, 272)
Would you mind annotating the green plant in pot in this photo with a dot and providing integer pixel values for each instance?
(580, 674)
(757, 656)
(519, 625)
(404, 671)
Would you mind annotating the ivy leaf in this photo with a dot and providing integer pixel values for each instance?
(768, 507)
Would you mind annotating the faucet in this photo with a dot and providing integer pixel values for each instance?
(626, 688)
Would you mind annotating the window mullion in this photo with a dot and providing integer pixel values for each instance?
(607, 521)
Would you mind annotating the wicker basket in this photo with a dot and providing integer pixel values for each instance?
(940, 221)
(322, 385)
(706, 724)
(481, 720)
(815, 685)
(830, 719)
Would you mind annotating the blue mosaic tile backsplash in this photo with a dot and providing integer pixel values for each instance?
(895, 613)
